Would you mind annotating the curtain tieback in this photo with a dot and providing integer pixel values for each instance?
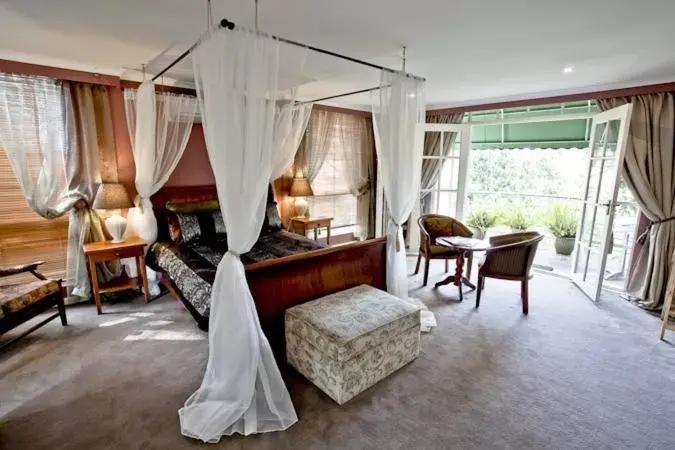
(235, 254)
(398, 243)
(643, 237)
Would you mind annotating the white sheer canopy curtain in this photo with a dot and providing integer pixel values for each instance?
(395, 118)
(159, 128)
(236, 74)
(290, 124)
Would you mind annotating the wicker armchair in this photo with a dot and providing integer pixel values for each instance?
(433, 226)
(509, 257)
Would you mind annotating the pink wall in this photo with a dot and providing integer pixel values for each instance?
(194, 168)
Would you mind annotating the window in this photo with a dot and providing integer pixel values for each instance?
(331, 189)
(331, 193)
(441, 197)
(24, 235)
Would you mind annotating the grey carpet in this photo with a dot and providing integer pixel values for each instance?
(571, 375)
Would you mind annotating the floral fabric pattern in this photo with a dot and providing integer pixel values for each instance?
(189, 226)
(219, 223)
(16, 297)
(346, 342)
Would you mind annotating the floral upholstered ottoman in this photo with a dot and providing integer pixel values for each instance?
(346, 342)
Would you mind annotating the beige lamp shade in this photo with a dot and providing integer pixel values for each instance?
(301, 188)
(112, 196)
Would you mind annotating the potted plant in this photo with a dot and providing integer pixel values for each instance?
(562, 221)
(480, 221)
(518, 220)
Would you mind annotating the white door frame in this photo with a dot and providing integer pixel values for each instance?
(464, 135)
(583, 249)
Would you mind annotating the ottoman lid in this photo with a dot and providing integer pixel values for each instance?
(349, 322)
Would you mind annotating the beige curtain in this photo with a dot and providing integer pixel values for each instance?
(316, 143)
(649, 172)
(431, 168)
(90, 132)
(354, 139)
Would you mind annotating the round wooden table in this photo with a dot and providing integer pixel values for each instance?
(464, 246)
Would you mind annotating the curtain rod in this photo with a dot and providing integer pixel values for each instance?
(346, 94)
(226, 24)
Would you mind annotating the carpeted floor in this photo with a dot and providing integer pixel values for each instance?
(571, 375)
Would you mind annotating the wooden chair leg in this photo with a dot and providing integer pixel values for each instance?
(417, 267)
(468, 265)
(426, 270)
(524, 295)
(479, 288)
(62, 312)
(447, 266)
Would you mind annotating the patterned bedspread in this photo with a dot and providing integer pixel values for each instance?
(192, 265)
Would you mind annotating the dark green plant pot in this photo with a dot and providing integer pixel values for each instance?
(564, 246)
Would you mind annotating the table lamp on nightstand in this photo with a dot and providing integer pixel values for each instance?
(300, 188)
(114, 197)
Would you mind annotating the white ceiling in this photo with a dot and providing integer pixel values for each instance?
(470, 51)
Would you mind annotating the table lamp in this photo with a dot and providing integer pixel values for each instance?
(114, 197)
(300, 188)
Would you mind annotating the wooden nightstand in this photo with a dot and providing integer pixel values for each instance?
(107, 251)
(301, 225)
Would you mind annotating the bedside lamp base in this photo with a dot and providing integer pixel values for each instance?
(301, 207)
(116, 226)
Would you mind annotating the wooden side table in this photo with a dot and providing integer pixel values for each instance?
(301, 225)
(107, 251)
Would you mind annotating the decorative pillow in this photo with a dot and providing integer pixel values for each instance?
(189, 226)
(193, 207)
(219, 223)
(272, 218)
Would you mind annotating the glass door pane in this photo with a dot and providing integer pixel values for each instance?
(445, 153)
(608, 138)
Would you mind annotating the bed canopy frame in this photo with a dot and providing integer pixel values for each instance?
(226, 24)
(241, 393)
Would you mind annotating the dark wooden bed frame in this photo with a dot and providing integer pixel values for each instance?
(278, 284)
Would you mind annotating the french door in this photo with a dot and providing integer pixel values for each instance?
(445, 161)
(609, 133)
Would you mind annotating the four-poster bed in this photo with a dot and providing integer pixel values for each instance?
(281, 282)
(246, 83)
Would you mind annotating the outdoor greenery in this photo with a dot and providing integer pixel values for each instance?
(562, 221)
(518, 219)
(482, 220)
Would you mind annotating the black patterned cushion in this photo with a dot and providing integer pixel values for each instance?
(189, 226)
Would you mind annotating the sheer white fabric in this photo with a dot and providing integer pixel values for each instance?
(289, 126)
(242, 391)
(159, 128)
(353, 138)
(319, 136)
(395, 119)
(37, 134)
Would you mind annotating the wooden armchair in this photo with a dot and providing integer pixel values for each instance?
(509, 257)
(433, 226)
(21, 302)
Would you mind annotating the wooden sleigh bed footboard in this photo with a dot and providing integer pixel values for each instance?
(279, 284)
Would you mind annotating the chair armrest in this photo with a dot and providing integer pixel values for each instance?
(426, 240)
(31, 267)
